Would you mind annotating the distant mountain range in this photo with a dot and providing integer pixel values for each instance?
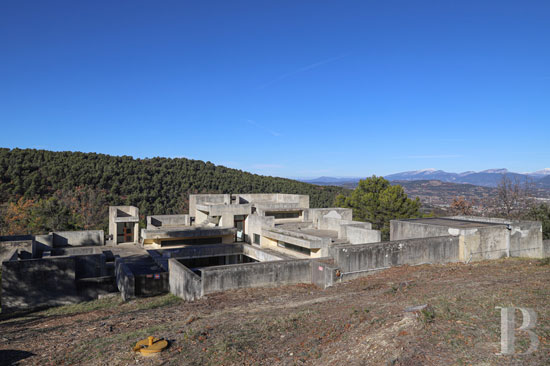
(485, 178)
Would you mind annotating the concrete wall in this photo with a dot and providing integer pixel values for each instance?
(253, 225)
(164, 221)
(89, 265)
(151, 284)
(125, 280)
(400, 230)
(8, 244)
(37, 283)
(358, 258)
(203, 251)
(546, 249)
(195, 199)
(323, 275)
(299, 199)
(490, 242)
(183, 282)
(222, 278)
(360, 235)
(526, 239)
(77, 238)
(315, 214)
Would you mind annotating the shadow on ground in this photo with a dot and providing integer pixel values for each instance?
(12, 356)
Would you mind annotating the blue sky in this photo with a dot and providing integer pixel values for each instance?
(284, 88)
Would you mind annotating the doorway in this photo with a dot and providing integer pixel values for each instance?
(239, 222)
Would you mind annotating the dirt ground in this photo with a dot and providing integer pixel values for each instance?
(360, 322)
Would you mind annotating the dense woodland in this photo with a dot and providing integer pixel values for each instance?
(43, 190)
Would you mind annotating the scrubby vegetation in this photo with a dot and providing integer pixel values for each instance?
(44, 190)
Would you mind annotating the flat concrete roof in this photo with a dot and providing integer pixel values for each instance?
(453, 223)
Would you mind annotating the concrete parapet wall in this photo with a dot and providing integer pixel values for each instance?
(11, 255)
(481, 243)
(526, 239)
(23, 245)
(366, 257)
(315, 214)
(163, 221)
(203, 251)
(77, 238)
(183, 282)
(360, 235)
(400, 230)
(260, 274)
(195, 199)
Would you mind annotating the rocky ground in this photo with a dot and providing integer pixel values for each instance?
(360, 322)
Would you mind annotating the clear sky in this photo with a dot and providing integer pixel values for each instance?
(284, 88)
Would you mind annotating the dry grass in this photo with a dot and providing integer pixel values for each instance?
(360, 322)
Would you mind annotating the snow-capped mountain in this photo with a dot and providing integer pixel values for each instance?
(540, 173)
(487, 178)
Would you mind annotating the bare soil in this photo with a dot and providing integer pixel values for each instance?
(360, 322)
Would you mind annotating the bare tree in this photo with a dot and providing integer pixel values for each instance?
(513, 198)
(461, 206)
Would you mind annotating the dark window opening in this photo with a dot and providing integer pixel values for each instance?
(256, 239)
(293, 247)
(194, 241)
(284, 215)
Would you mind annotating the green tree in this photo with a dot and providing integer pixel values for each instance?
(376, 201)
(541, 213)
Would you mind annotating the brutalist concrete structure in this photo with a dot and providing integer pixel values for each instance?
(232, 241)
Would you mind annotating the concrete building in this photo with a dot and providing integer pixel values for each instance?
(230, 241)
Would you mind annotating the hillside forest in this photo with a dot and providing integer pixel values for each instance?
(43, 191)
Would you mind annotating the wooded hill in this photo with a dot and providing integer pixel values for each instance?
(155, 185)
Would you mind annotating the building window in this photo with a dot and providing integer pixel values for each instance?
(256, 239)
(293, 247)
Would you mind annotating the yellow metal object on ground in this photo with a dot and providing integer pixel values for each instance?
(150, 345)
